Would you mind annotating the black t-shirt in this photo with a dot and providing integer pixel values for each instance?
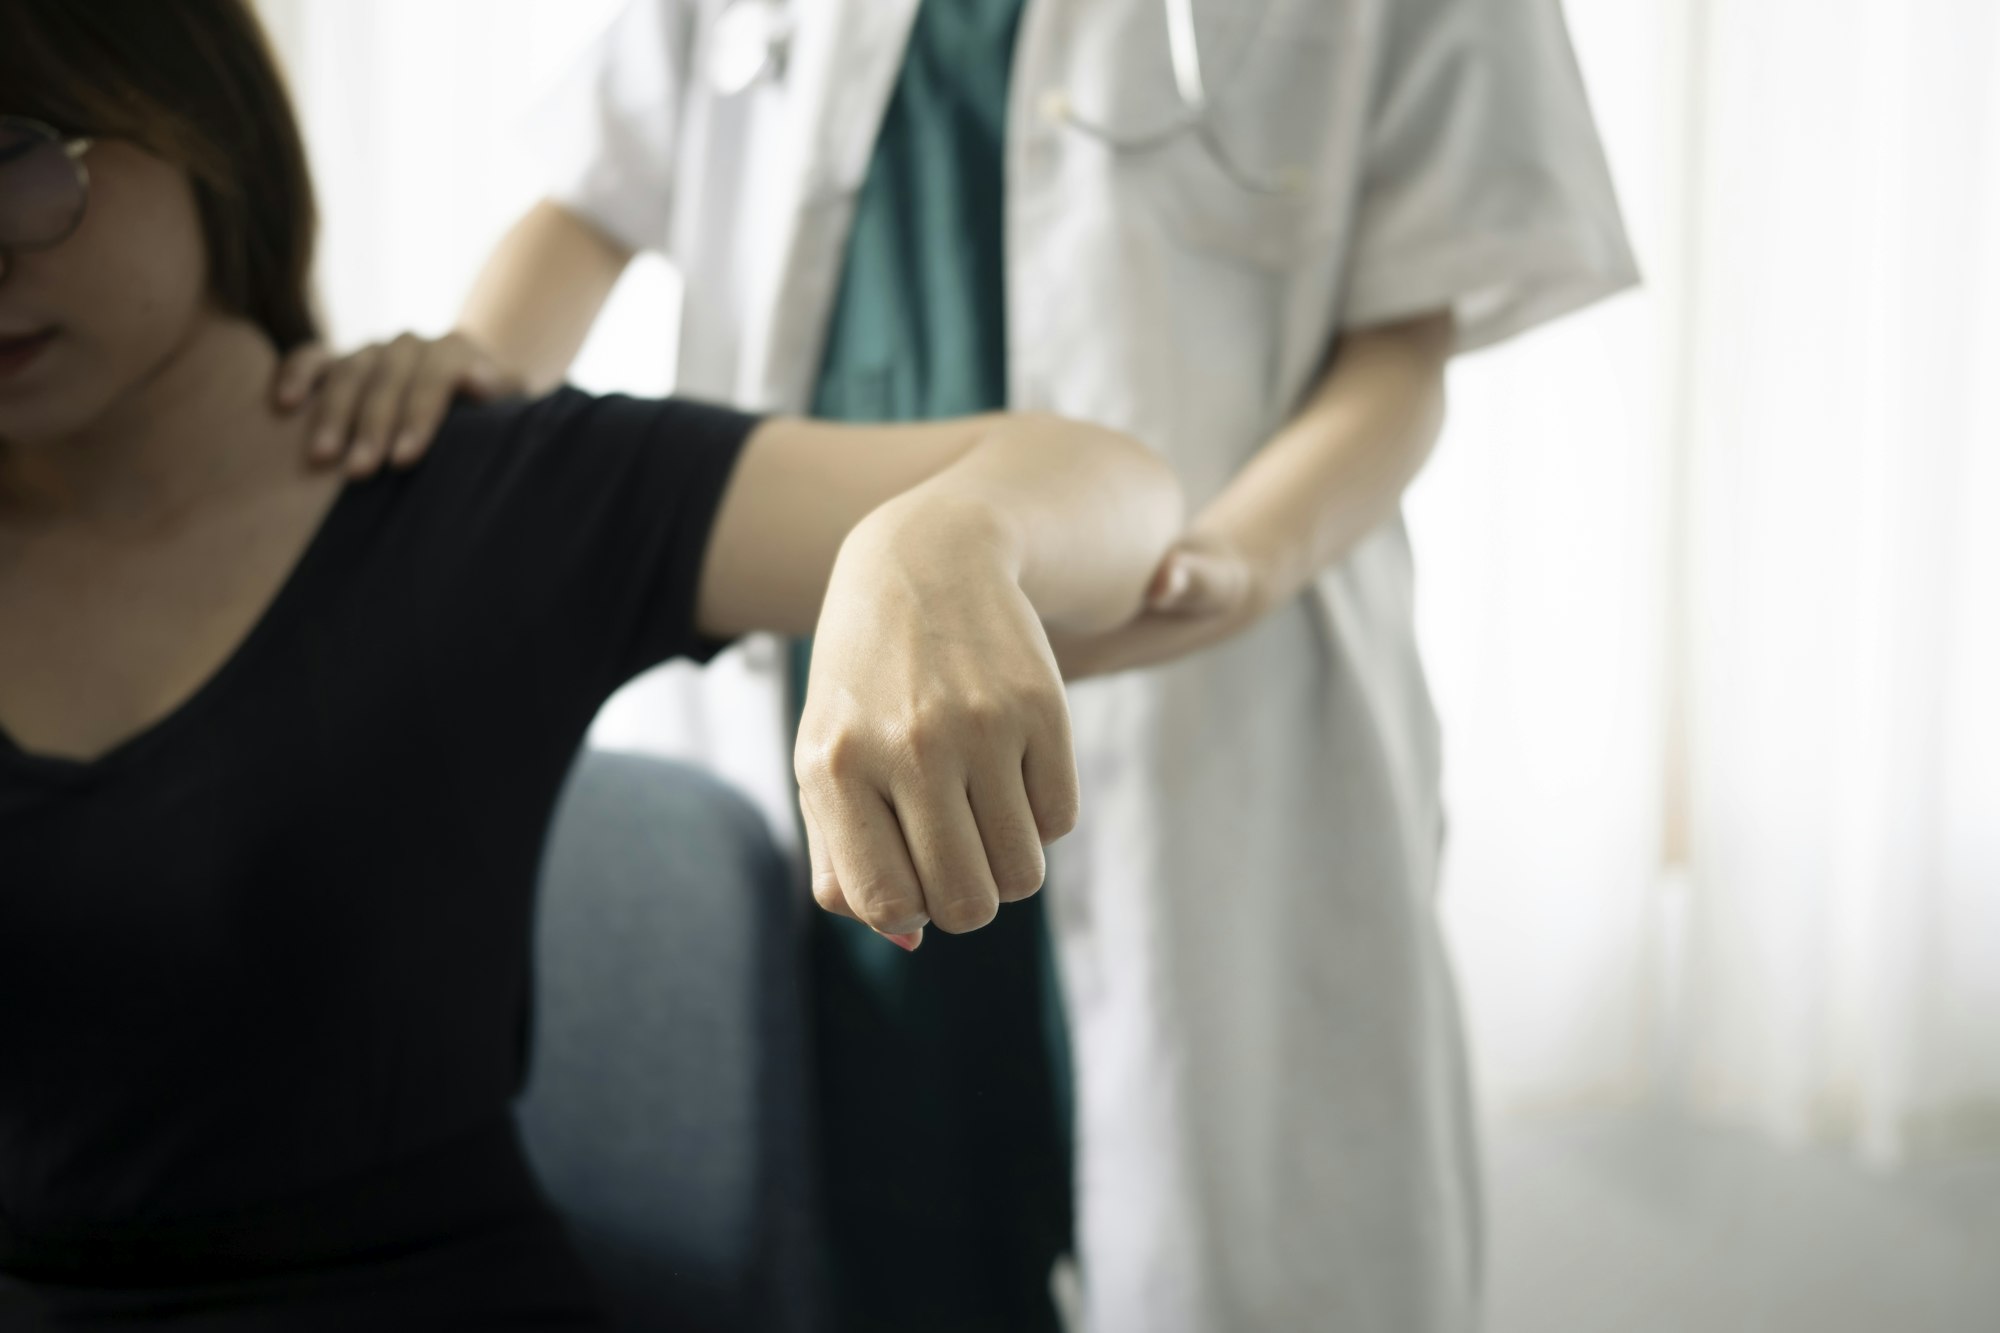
(279, 942)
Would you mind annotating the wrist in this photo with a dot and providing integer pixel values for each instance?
(940, 531)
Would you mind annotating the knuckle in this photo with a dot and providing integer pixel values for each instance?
(1048, 705)
(826, 892)
(887, 906)
(1058, 816)
(844, 755)
(988, 717)
(829, 759)
(1020, 877)
(966, 913)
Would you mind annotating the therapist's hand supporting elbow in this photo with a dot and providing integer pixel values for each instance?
(1334, 474)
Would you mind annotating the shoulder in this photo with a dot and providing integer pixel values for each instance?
(491, 442)
(476, 430)
(573, 449)
(570, 415)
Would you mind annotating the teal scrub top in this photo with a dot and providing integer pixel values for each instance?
(919, 330)
(952, 1059)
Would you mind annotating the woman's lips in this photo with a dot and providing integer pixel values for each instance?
(17, 351)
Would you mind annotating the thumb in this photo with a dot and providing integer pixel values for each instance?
(298, 374)
(1199, 581)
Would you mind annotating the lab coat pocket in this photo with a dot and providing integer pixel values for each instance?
(1255, 176)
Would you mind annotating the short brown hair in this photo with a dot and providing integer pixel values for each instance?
(193, 82)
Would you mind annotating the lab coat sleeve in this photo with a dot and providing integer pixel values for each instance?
(1486, 189)
(615, 124)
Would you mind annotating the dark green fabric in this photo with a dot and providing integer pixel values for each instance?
(943, 1074)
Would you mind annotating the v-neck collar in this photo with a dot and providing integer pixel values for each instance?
(63, 770)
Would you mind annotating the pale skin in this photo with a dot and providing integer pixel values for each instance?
(1334, 473)
(153, 500)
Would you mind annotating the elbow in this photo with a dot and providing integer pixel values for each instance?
(1156, 503)
(1164, 485)
(1147, 515)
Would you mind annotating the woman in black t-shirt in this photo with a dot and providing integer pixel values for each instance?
(277, 754)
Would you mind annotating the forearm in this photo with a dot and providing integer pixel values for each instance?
(1080, 516)
(534, 302)
(1338, 469)
(1076, 515)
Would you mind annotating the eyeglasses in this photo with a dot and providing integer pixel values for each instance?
(44, 184)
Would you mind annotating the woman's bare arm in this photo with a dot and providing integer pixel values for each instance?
(934, 757)
(1080, 514)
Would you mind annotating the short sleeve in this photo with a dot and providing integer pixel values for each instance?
(1486, 189)
(613, 125)
(569, 533)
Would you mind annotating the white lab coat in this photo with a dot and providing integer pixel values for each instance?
(1273, 1123)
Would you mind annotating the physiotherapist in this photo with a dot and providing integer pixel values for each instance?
(1220, 1059)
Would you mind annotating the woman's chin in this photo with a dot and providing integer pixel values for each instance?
(42, 404)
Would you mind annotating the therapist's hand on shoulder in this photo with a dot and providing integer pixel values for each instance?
(383, 404)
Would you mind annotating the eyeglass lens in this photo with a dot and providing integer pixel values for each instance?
(41, 187)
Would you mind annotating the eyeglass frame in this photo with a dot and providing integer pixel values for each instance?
(73, 148)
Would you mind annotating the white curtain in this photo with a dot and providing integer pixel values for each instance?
(1710, 576)
(423, 118)
(1713, 594)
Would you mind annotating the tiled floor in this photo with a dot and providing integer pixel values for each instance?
(1639, 1224)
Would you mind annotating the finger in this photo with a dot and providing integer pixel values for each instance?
(1008, 830)
(950, 858)
(1205, 583)
(339, 390)
(1048, 771)
(382, 405)
(1169, 583)
(826, 885)
(424, 410)
(298, 375)
(870, 861)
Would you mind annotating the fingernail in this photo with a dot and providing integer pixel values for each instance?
(327, 443)
(406, 444)
(907, 943)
